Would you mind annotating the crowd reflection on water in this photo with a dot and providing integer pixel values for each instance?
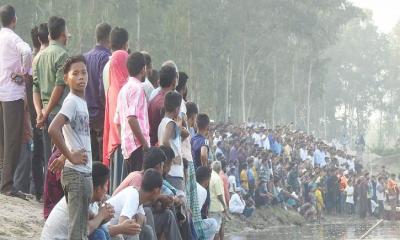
(387, 230)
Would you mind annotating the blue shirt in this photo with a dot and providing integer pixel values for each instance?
(96, 59)
(197, 142)
(276, 148)
(250, 177)
(319, 158)
(168, 189)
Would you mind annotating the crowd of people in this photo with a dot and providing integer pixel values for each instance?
(114, 149)
(290, 169)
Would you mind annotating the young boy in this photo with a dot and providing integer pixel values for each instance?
(169, 134)
(128, 206)
(131, 115)
(56, 226)
(71, 134)
(200, 147)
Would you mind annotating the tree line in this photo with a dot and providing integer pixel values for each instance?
(321, 64)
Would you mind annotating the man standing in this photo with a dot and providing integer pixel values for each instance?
(48, 80)
(40, 39)
(15, 61)
(96, 59)
(168, 82)
(218, 207)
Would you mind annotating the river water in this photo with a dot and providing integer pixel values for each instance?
(335, 231)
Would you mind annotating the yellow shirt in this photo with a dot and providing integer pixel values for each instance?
(319, 199)
(287, 150)
(216, 188)
(243, 179)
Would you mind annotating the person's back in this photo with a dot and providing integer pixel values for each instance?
(168, 79)
(197, 142)
(236, 204)
(216, 189)
(134, 179)
(96, 59)
(11, 49)
(232, 183)
(56, 226)
(15, 60)
(125, 203)
(244, 180)
(49, 65)
(118, 77)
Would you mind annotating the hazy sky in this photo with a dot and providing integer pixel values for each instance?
(386, 13)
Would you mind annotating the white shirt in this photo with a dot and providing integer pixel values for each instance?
(15, 57)
(257, 139)
(380, 195)
(148, 88)
(186, 146)
(176, 145)
(201, 195)
(76, 131)
(303, 154)
(236, 205)
(266, 144)
(350, 192)
(125, 203)
(56, 225)
(232, 183)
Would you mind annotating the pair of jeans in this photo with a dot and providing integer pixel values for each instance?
(165, 223)
(78, 189)
(100, 233)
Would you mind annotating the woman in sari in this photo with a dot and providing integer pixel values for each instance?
(112, 156)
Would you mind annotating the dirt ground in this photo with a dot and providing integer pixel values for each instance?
(20, 219)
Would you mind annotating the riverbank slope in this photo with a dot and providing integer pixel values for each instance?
(20, 219)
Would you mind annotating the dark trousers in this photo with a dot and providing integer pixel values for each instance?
(37, 164)
(96, 140)
(11, 125)
(47, 144)
(22, 173)
(116, 169)
(134, 162)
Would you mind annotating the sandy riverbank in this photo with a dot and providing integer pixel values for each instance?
(20, 219)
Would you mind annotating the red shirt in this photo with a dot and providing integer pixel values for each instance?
(224, 179)
(155, 106)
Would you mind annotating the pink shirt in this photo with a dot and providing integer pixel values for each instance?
(15, 57)
(132, 102)
(134, 179)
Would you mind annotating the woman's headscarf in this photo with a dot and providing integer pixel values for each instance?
(118, 76)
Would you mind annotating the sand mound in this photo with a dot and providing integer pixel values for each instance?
(20, 219)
